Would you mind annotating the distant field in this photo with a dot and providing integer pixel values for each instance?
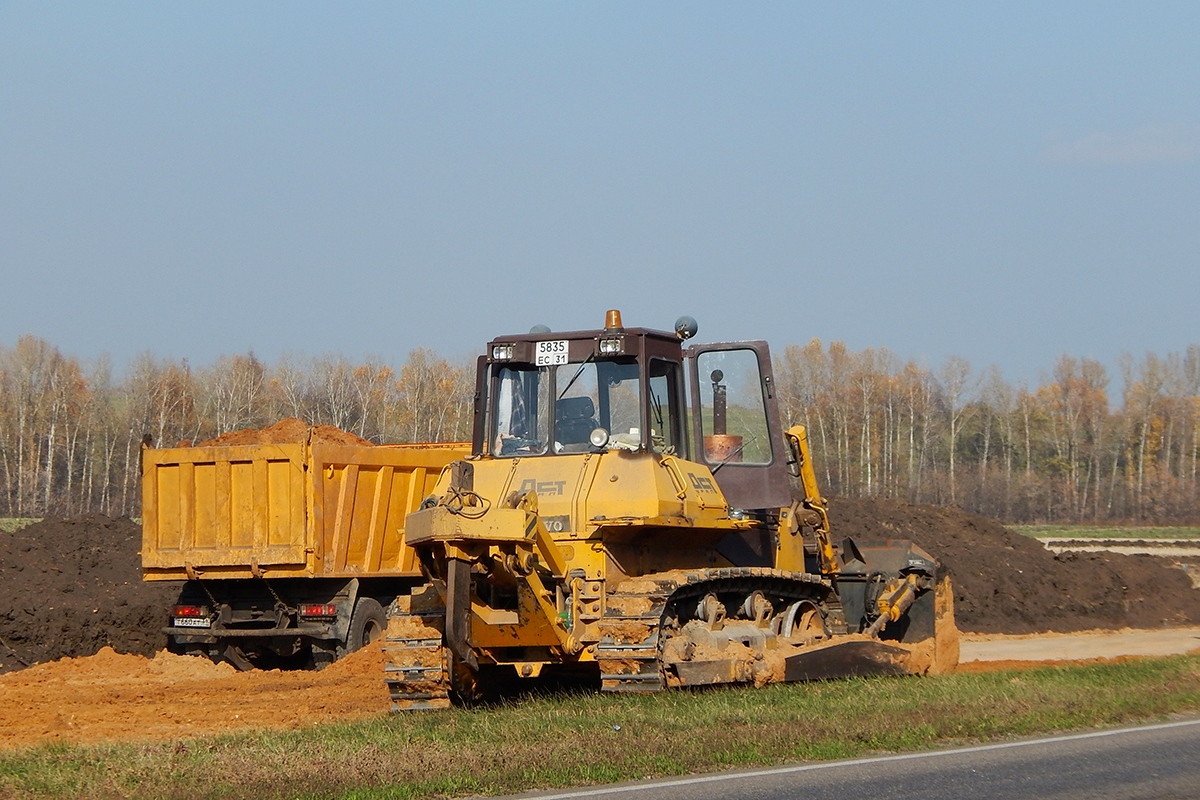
(1095, 532)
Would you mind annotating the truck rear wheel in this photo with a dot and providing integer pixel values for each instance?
(367, 623)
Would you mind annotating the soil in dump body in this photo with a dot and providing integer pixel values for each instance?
(286, 431)
(1008, 583)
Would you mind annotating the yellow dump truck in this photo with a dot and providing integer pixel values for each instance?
(290, 552)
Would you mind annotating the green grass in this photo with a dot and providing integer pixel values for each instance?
(1098, 532)
(551, 742)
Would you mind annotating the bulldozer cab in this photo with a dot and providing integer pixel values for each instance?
(544, 394)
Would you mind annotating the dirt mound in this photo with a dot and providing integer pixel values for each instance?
(286, 431)
(176, 697)
(70, 587)
(1008, 583)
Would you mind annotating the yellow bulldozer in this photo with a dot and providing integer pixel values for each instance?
(634, 516)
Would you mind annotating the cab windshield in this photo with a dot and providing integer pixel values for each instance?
(555, 409)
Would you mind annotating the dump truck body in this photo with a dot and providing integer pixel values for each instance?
(282, 545)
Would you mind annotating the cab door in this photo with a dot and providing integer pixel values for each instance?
(735, 422)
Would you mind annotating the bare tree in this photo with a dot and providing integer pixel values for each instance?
(956, 385)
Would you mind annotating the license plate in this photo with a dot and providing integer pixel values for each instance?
(192, 622)
(548, 354)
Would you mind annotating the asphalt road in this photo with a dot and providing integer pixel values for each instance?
(1153, 761)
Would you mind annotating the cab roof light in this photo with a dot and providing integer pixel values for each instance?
(611, 346)
(502, 352)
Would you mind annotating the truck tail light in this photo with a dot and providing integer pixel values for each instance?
(189, 611)
(318, 610)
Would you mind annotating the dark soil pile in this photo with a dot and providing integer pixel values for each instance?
(1008, 583)
(70, 587)
(286, 431)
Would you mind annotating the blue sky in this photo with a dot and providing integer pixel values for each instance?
(1004, 182)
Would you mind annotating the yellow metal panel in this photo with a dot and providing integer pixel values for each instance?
(170, 518)
(222, 504)
(150, 511)
(361, 497)
(280, 504)
(364, 516)
(260, 505)
(187, 506)
(343, 515)
(205, 530)
(411, 489)
(241, 499)
(218, 507)
(234, 511)
(375, 537)
(438, 524)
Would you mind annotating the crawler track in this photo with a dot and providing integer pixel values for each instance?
(644, 614)
(417, 666)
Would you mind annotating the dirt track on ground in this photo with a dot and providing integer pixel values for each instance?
(71, 588)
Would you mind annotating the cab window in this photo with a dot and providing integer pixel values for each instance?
(520, 411)
(733, 414)
(620, 403)
(577, 407)
(667, 432)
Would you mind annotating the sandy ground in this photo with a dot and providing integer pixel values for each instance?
(1077, 646)
(109, 697)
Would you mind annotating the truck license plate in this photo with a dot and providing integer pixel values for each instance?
(548, 354)
(192, 622)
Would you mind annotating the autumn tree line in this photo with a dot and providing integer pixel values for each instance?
(71, 435)
(1073, 449)
(1078, 447)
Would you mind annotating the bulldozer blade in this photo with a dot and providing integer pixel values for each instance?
(847, 660)
(707, 673)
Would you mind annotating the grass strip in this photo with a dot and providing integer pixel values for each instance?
(14, 524)
(1100, 532)
(560, 741)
